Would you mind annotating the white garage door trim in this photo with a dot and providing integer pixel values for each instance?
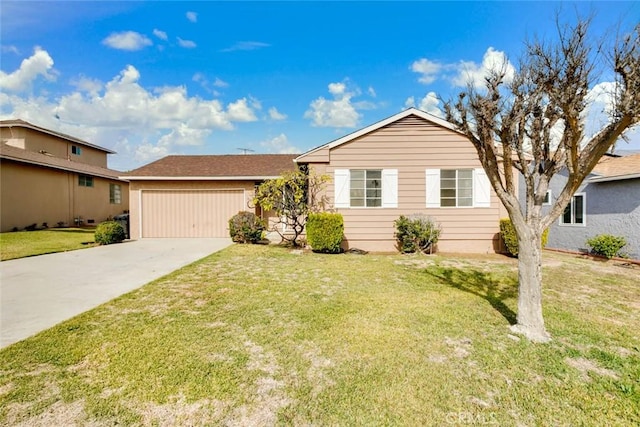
(212, 190)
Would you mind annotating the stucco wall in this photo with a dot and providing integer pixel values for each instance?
(612, 207)
(33, 194)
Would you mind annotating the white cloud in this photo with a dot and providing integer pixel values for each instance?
(274, 114)
(127, 40)
(371, 91)
(246, 46)
(141, 123)
(40, 64)
(339, 112)
(188, 44)
(9, 49)
(86, 84)
(239, 111)
(192, 16)
(280, 145)
(160, 34)
(600, 107)
(430, 104)
(428, 70)
(220, 83)
(468, 72)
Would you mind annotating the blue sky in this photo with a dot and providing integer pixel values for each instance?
(148, 79)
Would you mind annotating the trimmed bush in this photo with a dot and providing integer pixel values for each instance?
(510, 238)
(109, 232)
(417, 232)
(325, 232)
(606, 245)
(246, 227)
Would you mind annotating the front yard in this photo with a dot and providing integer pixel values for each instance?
(258, 335)
(20, 244)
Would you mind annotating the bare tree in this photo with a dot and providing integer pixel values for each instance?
(533, 125)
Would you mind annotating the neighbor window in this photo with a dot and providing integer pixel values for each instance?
(115, 194)
(456, 187)
(85, 181)
(366, 188)
(76, 150)
(547, 198)
(575, 212)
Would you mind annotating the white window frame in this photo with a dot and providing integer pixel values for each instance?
(481, 189)
(571, 206)
(547, 198)
(342, 189)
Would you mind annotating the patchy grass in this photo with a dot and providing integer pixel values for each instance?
(22, 244)
(257, 335)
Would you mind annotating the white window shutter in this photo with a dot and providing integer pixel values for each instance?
(389, 188)
(481, 189)
(341, 189)
(432, 177)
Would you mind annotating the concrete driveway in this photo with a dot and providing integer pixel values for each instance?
(37, 293)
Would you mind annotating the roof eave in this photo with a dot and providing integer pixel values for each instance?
(614, 178)
(199, 178)
(57, 167)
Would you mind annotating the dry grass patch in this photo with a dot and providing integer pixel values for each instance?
(256, 335)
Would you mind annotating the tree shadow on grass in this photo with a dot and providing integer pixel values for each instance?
(484, 285)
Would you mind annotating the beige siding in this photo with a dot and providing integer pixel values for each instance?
(34, 195)
(41, 142)
(187, 208)
(412, 145)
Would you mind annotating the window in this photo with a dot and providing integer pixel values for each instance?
(575, 212)
(457, 188)
(76, 150)
(547, 199)
(366, 188)
(115, 194)
(85, 181)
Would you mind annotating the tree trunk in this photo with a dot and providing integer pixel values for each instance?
(530, 322)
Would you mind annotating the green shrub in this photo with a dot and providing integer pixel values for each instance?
(325, 232)
(510, 238)
(606, 245)
(416, 232)
(109, 232)
(246, 227)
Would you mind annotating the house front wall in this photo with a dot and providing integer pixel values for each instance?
(411, 146)
(160, 208)
(35, 195)
(612, 207)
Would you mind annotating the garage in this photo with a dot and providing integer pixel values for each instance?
(195, 196)
(189, 213)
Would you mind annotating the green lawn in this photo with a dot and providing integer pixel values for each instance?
(22, 244)
(258, 335)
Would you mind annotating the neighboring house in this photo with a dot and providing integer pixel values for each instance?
(49, 177)
(195, 196)
(412, 162)
(607, 202)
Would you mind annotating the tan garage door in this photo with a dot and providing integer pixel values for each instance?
(189, 213)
